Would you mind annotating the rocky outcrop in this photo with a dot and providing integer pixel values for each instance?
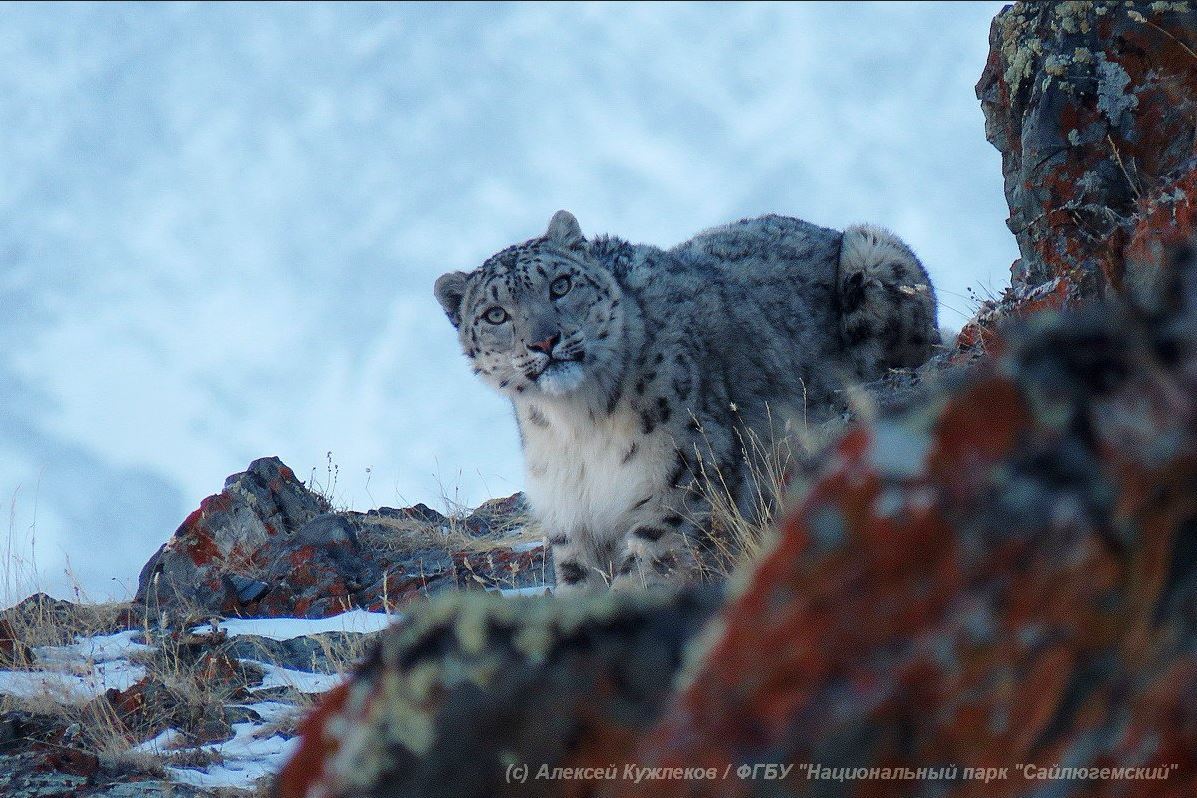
(41, 620)
(1093, 106)
(211, 562)
(268, 546)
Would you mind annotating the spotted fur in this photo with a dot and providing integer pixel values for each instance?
(632, 369)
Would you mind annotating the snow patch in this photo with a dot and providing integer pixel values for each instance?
(79, 671)
(70, 687)
(103, 648)
(538, 590)
(244, 760)
(161, 744)
(359, 621)
(301, 681)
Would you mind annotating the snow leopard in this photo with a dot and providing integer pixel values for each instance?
(636, 372)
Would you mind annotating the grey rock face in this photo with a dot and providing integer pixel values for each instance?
(19, 778)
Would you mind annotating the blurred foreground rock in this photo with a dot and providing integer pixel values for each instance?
(474, 685)
(267, 546)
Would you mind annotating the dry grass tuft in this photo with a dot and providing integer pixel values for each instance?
(743, 526)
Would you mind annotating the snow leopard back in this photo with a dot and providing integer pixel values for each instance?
(758, 297)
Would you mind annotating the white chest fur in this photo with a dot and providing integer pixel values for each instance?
(592, 477)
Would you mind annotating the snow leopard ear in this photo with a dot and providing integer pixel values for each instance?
(564, 229)
(449, 290)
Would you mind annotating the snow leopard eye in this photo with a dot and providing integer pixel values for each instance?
(495, 315)
(560, 287)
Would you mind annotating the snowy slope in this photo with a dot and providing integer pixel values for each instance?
(219, 224)
(71, 675)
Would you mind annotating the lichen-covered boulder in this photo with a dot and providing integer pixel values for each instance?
(473, 686)
(1093, 106)
(268, 546)
(208, 563)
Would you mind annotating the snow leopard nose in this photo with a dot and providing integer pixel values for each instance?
(545, 346)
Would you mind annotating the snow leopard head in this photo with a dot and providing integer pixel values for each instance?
(539, 319)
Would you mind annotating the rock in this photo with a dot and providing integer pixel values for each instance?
(150, 789)
(13, 650)
(72, 761)
(245, 589)
(28, 776)
(149, 707)
(224, 671)
(22, 729)
(350, 560)
(43, 620)
(21, 777)
(142, 702)
(498, 516)
(55, 619)
(474, 683)
(311, 653)
(1092, 106)
(229, 535)
(42, 610)
(421, 513)
(193, 681)
(267, 546)
(500, 568)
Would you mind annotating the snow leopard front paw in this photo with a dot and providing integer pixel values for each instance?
(574, 574)
(660, 561)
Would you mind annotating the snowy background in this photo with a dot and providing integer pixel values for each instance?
(220, 224)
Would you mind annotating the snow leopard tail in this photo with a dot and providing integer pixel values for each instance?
(887, 304)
